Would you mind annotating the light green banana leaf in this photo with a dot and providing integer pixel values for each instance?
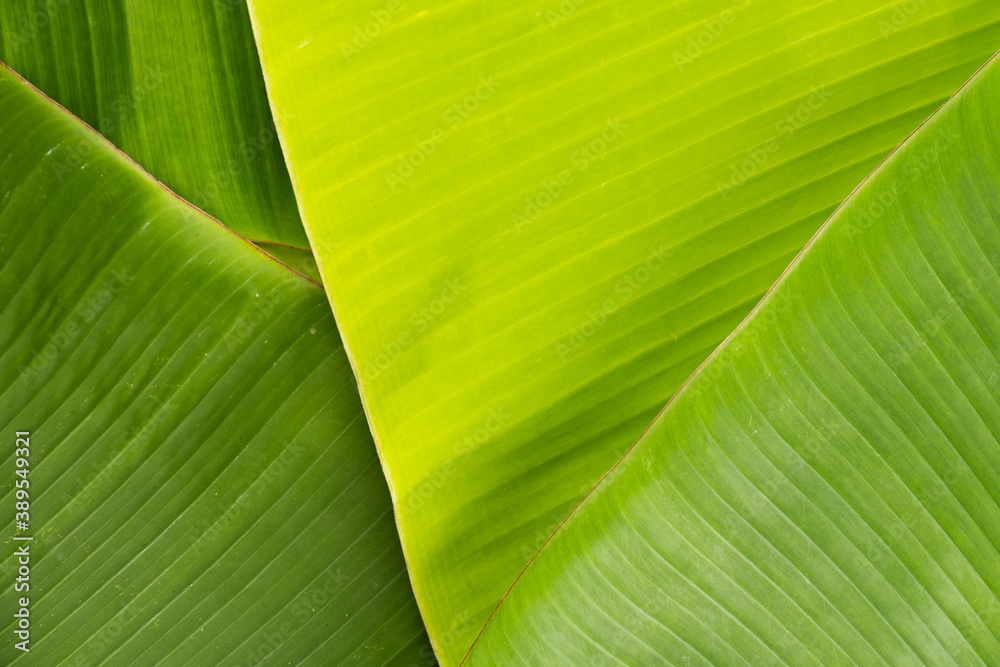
(535, 219)
(825, 490)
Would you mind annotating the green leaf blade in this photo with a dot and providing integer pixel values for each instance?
(495, 244)
(824, 490)
(178, 88)
(204, 486)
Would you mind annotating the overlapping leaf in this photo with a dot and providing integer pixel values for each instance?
(177, 86)
(301, 261)
(535, 219)
(204, 488)
(826, 489)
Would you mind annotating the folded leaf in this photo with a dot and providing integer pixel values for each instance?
(826, 489)
(203, 486)
(535, 219)
(177, 86)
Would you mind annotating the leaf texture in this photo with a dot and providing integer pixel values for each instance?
(535, 220)
(204, 488)
(826, 489)
(177, 86)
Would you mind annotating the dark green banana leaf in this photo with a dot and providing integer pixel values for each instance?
(203, 486)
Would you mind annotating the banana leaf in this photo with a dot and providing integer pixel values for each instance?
(177, 86)
(534, 220)
(202, 485)
(825, 490)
